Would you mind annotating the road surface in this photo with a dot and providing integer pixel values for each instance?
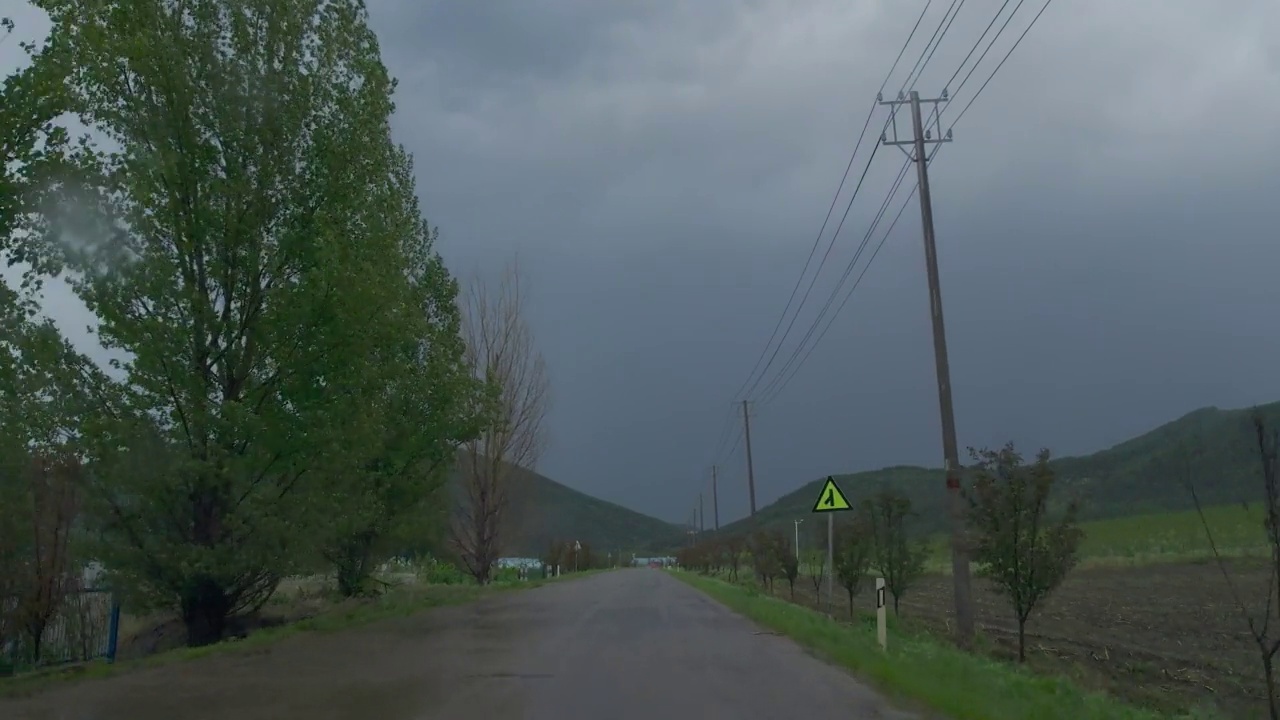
(631, 645)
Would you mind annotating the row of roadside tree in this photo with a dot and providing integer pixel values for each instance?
(1020, 546)
(281, 376)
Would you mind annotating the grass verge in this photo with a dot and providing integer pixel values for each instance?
(400, 601)
(917, 667)
(1169, 537)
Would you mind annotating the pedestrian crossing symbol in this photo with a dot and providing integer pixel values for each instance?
(831, 499)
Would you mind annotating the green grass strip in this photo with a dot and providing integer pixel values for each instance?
(959, 685)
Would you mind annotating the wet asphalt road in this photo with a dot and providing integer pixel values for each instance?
(626, 645)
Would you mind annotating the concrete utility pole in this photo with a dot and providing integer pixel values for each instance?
(797, 524)
(715, 499)
(751, 472)
(702, 515)
(950, 448)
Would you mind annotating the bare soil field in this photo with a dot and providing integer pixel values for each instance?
(1169, 637)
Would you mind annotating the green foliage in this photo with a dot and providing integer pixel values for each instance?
(1016, 544)
(436, 572)
(294, 389)
(291, 387)
(895, 554)
(506, 575)
(44, 390)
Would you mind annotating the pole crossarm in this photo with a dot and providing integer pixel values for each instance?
(935, 113)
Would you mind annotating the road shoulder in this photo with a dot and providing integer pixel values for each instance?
(920, 670)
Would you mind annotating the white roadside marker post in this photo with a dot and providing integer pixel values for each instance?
(881, 631)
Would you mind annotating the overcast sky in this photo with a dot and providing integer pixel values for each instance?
(1105, 221)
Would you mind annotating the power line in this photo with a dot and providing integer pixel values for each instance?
(902, 172)
(918, 66)
(939, 43)
(1002, 61)
(936, 118)
(736, 443)
(926, 54)
(827, 219)
(831, 321)
(814, 280)
(994, 38)
(725, 428)
(978, 42)
(797, 359)
(779, 386)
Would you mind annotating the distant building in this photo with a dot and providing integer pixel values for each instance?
(518, 562)
(653, 562)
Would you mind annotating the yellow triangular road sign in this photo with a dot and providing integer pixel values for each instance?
(831, 499)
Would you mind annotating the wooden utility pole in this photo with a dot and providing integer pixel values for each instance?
(702, 515)
(715, 499)
(950, 448)
(751, 472)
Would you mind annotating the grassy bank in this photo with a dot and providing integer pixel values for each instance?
(921, 668)
(398, 601)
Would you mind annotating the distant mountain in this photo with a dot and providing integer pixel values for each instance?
(1215, 449)
(543, 511)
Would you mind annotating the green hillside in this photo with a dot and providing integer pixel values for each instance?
(543, 511)
(1214, 448)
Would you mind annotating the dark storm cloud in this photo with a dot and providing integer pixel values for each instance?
(1104, 221)
(663, 169)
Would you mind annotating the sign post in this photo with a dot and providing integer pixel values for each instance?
(831, 500)
(831, 563)
(882, 633)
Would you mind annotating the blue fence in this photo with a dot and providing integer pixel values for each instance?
(86, 627)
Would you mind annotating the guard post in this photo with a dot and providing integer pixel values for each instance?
(882, 632)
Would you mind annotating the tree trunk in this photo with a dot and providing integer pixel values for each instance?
(35, 632)
(895, 604)
(850, 591)
(205, 607)
(350, 580)
(1268, 668)
(1022, 639)
(355, 565)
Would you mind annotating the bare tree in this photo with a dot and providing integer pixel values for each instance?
(1258, 620)
(763, 547)
(734, 545)
(49, 573)
(790, 564)
(815, 566)
(501, 352)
